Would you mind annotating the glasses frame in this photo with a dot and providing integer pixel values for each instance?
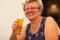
(32, 8)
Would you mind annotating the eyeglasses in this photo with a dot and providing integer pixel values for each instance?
(32, 8)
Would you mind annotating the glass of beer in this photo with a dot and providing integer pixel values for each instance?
(20, 21)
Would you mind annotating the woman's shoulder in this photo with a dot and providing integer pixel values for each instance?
(50, 21)
(50, 24)
(49, 17)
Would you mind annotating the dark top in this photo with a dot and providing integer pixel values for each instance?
(59, 37)
(37, 36)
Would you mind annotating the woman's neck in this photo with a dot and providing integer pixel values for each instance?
(35, 24)
(36, 21)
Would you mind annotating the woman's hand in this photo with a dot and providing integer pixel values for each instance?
(22, 32)
(15, 25)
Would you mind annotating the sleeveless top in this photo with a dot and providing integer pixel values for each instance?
(37, 36)
(58, 37)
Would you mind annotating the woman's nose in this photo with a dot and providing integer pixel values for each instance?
(29, 9)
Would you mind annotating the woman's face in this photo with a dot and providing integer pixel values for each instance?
(32, 10)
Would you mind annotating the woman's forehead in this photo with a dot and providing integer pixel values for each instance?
(32, 4)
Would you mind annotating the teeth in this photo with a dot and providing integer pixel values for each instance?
(30, 14)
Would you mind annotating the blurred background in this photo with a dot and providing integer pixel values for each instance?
(52, 8)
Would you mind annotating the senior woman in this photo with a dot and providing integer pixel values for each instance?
(39, 28)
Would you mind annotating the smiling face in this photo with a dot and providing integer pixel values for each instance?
(32, 10)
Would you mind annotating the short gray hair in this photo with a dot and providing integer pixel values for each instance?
(39, 2)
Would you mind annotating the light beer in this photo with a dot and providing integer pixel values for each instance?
(20, 23)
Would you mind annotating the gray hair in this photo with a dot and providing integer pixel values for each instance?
(39, 2)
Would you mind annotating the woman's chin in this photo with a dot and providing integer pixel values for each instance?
(31, 18)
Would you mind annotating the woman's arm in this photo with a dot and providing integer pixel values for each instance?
(13, 36)
(51, 29)
(59, 31)
(21, 36)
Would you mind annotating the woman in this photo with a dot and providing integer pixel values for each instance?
(39, 28)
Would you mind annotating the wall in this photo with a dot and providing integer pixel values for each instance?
(9, 12)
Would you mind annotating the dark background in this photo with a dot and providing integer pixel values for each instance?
(55, 15)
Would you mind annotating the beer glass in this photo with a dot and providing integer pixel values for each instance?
(20, 21)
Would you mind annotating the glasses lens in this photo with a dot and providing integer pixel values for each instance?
(32, 8)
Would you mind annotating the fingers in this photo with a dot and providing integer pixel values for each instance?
(15, 25)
